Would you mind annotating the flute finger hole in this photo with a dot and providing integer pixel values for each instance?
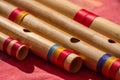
(111, 41)
(74, 40)
(25, 30)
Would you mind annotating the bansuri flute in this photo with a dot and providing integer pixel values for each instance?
(95, 59)
(85, 17)
(42, 47)
(32, 23)
(13, 47)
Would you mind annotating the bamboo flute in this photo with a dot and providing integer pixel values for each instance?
(93, 58)
(78, 13)
(29, 21)
(42, 47)
(13, 47)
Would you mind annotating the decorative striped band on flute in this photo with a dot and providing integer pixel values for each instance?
(85, 17)
(108, 65)
(102, 61)
(6, 43)
(58, 54)
(51, 51)
(13, 47)
(114, 68)
(62, 57)
(17, 15)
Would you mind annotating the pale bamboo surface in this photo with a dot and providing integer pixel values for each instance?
(39, 45)
(64, 6)
(100, 24)
(90, 54)
(22, 51)
(94, 38)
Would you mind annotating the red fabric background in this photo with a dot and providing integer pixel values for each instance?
(34, 68)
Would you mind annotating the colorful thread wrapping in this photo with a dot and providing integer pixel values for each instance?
(80, 16)
(56, 54)
(17, 15)
(51, 51)
(63, 55)
(114, 68)
(15, 48)
(6, 43)
(102, 61)
(9, 47)
(85, 17)
(107, 65)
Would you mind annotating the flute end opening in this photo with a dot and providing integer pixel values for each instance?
(22, 52)
(74, 63)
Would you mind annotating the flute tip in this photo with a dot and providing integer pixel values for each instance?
(22, 52)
